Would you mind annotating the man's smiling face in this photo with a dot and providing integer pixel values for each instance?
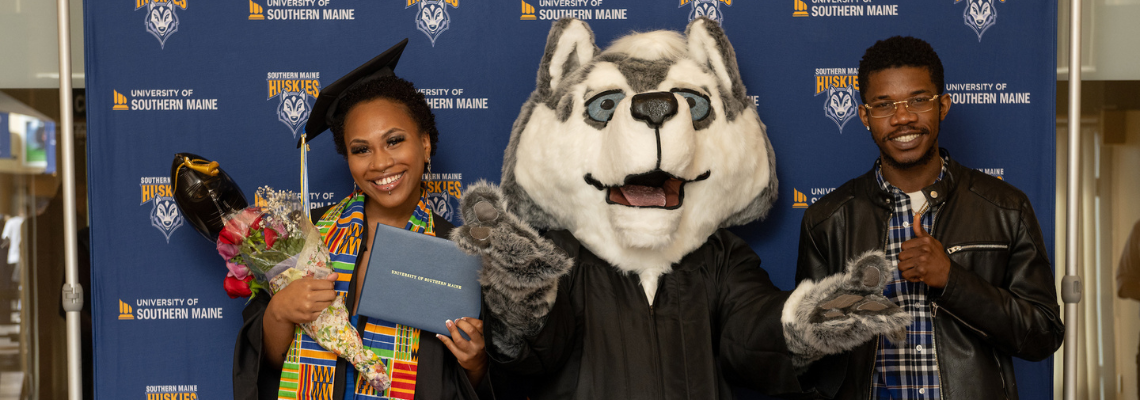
(905, 138)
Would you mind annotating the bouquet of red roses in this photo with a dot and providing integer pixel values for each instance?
(270, 247)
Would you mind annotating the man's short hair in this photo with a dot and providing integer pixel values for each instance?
(394, 89)
(900, 51)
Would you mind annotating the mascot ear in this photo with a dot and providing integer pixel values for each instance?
(709, 47)
(569, 46)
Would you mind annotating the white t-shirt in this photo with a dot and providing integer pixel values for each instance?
(12, 232)
(917, 201)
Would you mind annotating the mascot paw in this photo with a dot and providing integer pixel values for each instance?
(513, 253)
(483, 223)
(491, 231)
(842, 311)
(520, 268)
(485, 213)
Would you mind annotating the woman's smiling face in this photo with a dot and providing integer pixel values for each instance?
(386, 152)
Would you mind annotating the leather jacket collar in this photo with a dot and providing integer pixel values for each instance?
(936, 194)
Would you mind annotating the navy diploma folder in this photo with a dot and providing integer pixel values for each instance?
(419, 280)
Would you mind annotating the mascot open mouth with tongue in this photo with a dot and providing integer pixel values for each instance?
(607, 269)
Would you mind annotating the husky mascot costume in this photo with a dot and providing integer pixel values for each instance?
(632, 161)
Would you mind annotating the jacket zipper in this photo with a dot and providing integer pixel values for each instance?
(937, 364)
(934, 331)
(878, 339)
(656, 352)
(655, 340)
(955, 249)
(1000, 373)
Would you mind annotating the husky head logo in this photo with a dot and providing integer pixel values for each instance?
(841, 105)
(432, 19)
(642, 150)
(441, 205)
(980, 15)
(294, 109)
(164, 215)
(161, 21)
(706, 8)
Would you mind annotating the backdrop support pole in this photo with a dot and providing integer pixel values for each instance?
(1071, 283)
(72, 292)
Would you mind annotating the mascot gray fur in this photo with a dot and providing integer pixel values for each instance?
(632, 161)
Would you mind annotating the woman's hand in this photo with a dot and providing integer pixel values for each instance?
(470, 353)
(301, 301)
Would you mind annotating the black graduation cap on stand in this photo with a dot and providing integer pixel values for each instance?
(325, 107)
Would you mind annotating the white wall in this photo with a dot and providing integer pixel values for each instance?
(1109, 47)
(29, 44)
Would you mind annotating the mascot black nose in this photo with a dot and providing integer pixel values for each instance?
(654, 108)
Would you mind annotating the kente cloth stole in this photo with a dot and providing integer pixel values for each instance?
(309, 371)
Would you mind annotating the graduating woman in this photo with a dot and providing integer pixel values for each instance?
(386, 132)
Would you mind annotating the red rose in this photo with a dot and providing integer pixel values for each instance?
(237, 287)
(230, 234)
(270, 237)
(256, 224)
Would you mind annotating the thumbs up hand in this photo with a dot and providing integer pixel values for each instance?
(924, 259)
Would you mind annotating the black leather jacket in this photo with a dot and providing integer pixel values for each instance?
(999, 301)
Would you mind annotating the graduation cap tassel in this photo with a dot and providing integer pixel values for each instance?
(304, 174)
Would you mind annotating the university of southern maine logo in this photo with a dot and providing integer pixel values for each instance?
(841, 105)
(161, 19)
(164, 214)
(979, 15)
(294, 109)
(295, 93)
(840, 87)
(432, 18)
(706, 8)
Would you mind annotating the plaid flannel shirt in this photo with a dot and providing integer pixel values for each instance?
(906, 370)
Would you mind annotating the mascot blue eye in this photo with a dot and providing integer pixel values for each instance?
(602, 106)
(698, 103)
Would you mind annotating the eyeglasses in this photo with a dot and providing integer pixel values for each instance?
(913, 104)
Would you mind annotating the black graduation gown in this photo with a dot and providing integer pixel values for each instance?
(438, 376)
(714, 322)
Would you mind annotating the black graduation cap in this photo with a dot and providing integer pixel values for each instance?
(326, 105)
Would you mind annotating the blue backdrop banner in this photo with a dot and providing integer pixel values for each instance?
(234, 81)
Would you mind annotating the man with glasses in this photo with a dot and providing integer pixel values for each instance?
(972, 268)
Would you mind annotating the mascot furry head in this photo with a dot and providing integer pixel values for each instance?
(641, 150)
